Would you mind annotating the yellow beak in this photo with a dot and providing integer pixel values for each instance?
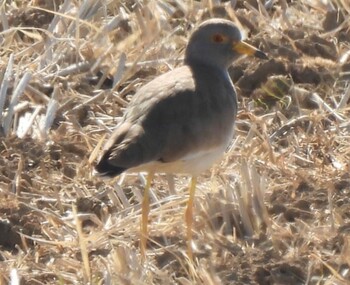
(246, 49)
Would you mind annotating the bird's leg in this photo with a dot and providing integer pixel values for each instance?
(189, 216)
(144, 218)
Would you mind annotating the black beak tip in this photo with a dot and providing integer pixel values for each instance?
(260, 54)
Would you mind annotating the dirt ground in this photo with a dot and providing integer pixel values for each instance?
(275, 210)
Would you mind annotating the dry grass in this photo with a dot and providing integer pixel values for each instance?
(276, 209)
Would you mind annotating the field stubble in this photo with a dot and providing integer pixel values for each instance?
(276, 210)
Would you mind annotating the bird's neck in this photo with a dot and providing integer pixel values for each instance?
(198, 66)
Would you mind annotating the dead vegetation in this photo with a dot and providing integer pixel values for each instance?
(276, 210)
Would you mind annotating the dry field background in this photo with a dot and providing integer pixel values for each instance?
(276, 210)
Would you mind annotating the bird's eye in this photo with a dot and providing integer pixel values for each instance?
(218, 38)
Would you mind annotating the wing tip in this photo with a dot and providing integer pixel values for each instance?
(105, 169)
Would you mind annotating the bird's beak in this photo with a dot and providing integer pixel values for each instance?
(246, 49)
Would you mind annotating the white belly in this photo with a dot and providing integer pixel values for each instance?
(193, 163)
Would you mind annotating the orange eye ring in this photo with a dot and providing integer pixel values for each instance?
(218, 38)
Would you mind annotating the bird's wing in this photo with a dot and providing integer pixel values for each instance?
(169, 119)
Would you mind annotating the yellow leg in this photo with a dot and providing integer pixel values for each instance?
(189, 216)
(144, 218)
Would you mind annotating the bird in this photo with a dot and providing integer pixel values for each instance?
(182, 121)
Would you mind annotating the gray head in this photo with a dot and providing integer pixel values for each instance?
(217, 42)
